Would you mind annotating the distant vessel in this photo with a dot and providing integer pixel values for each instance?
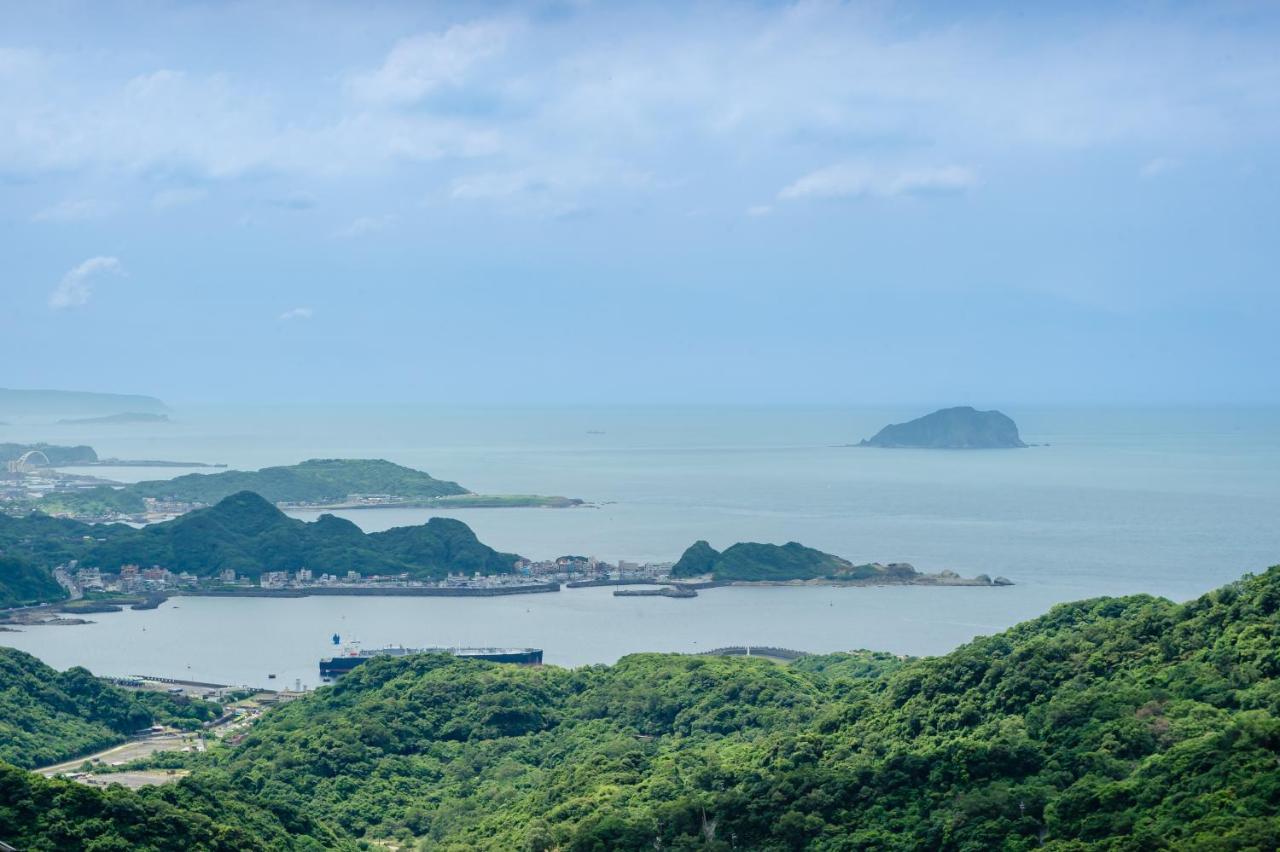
(332, 668)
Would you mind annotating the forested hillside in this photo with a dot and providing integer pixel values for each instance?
(22, 583)
(311, 481)
(249, 535)
(47, 716)
(1129, 723)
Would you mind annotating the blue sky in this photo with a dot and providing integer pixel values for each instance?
(611, 202)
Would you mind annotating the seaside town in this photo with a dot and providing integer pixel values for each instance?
(528, 575)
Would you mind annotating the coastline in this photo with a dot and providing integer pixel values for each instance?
(459, 501)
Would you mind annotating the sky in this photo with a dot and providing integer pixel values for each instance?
(589, 202)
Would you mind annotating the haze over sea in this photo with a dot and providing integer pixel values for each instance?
(1166, 501)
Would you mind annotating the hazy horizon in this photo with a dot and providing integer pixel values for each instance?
(577, 203)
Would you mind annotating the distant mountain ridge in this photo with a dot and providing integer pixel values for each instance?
(959, 428)
(21, 402)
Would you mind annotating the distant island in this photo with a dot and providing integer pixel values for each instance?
(752, 562)
(325, 484)
(24, 403)
(126, 417)
(960, 428)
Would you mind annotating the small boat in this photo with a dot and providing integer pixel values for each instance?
(271, 677)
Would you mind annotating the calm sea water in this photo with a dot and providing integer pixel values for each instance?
(1171, 502)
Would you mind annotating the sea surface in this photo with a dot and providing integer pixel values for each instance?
(1162, 501)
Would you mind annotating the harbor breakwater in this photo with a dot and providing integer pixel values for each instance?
(374, 591)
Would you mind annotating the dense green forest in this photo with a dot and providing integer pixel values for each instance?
(312, 481)
(22, 583)
(246, 533)
(1130, 723)
(47, 716)
(752, 561)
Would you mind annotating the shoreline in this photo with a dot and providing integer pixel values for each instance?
(459, 501)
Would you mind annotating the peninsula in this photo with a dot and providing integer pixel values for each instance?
(960, 428)
(792, 563)
(324, 484)
(24, 403)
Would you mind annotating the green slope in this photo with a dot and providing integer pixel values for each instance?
(312, 481)
(751, 561)
(48, 716)
(249, 535)
(22, 583)
(1130, 723)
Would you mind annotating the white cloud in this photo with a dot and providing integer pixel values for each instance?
(76, 287)
(731, 93)
(853, 180)
(180, 197)
(297, 314)
(73, 211)
(1158, 166)
(363, 225)
(758, 210)
(420, 64)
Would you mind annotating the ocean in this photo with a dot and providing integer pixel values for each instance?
(1163, 501)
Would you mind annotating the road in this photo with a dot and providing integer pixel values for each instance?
(123, 753)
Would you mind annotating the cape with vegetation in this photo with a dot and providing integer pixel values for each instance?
(326, 483)
(754, 562)
(1130, 723)
(312, 481)
(249, 535)
(960, 428)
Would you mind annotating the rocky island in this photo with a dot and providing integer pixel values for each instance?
(793, 563)
(959, 428)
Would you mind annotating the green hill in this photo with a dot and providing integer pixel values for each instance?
(754, 562)
(249, 535)
(960, 428)
(22, 583)
(1108, 724)
(48, 716)
(312, 481)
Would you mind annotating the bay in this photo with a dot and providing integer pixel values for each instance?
(1164, 501)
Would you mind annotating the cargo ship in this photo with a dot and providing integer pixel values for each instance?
(332, 668)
